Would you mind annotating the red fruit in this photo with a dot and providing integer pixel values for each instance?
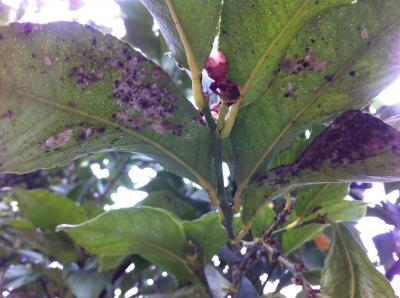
(217, 66)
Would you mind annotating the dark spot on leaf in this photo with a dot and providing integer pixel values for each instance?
(72, 104)
(7, 115)
(352, 73)
(143, 101)
(58, 140)
(85, 75)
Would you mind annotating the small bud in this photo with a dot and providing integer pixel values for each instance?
(191, 251)
(217, 66)
(296, 280)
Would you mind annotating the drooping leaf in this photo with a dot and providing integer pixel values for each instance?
(337, 211)
(207, 235)
(198, 20)
(107, 263)
(219, 286)
(310, 198)
(152, 233)
(19, 223)
(293, 239)
(164, 181)
(18, 276)
(70, 90)
(348, 273)
(47, 209)
(357, 146)
(340, 211)
(55, 246)
(87, 284)
(169, 201)
(338, 61)
(246, 289)
(139, 28)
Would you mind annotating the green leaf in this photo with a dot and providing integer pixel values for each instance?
(19, 275)
(47, 209)
(293, 239)
(312, 197)
(55, 246)
(70, 90)
(341, 211)
(87, 284)
(334, 211)
(354, 52)
(139, 28)
(263, 220)
(198, 20)
(254, 36)
(348, 273)
(168, 201)
(152, 233)
(188, 291)
(110, 262)
(19, 223)
(356, 147)
(207, 235)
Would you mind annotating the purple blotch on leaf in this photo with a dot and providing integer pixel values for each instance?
(28, 28)
(142, 96)
(7, 115)
(352, 137)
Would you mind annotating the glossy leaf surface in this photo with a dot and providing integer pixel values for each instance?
(348, 272)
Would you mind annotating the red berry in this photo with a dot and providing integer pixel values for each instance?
(217, 66)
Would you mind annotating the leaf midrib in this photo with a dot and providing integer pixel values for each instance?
(349, 261)
(272, 45)
(309, 203)
(201, 180)
(166, 251)
(242, 186)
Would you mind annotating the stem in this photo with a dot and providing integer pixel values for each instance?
(193, 67)
(225, 205)
(243, 267)
(221, 116)
(293, 268)
(230, 121)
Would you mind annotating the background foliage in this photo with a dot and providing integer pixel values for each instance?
(303, 72)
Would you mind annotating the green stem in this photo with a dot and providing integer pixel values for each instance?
(225, 208)
(221, 116)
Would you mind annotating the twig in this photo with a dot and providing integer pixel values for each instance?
(295, 269)
(240, 271)
(279, 219)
